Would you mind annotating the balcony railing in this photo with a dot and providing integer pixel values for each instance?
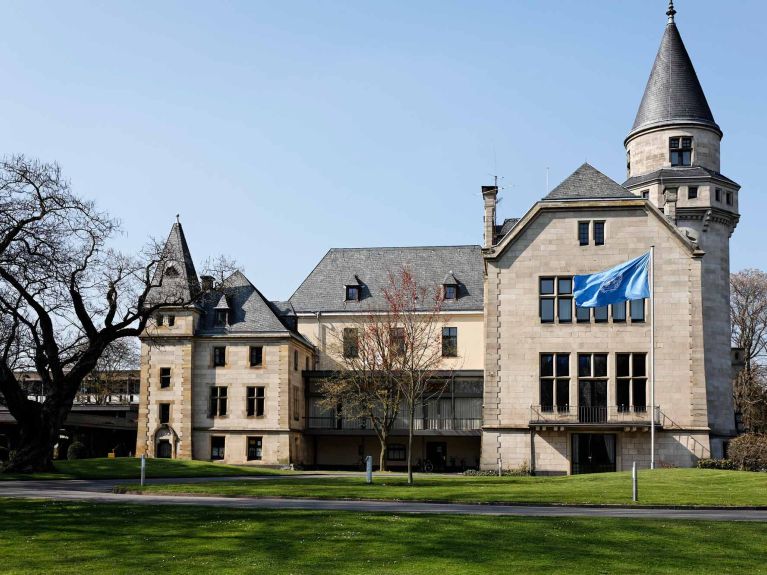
(442, 424)
(590, 415)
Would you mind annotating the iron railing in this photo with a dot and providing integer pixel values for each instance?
(429, 423)
(604, 415)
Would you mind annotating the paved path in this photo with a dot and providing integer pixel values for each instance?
(99, 491)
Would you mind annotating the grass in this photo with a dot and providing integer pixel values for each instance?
(682, 487)
(129, 467)
(76, 538)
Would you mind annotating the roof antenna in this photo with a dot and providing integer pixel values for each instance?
(670, 13)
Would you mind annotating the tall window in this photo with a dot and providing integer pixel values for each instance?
(217, 445)
(165, 413)
(219, 356)
(718, 194)
(599, 233)
(636, 306)
(295, 360)
(556, 299)
(217, 406)
(680, 150)
(619, 312)
(164, 377)
(601, 314)
(296, 403)
(631, 381)
(171, 320)
(256, 355)
(449, 342)
(555, 381)
(255, 448)
(728, 197)
(351, 342)
(397, 338)
(160, 320)
(583, 233)
(255, 401)
(592, 387)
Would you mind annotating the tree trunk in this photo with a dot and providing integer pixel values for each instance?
(34, 452)
(410, 444)
(382, 456)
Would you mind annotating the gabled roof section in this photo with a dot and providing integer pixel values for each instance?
(249, 311)
(588, 183)
(673, 94)
(175, 276)
(323, 290)
(450, 279)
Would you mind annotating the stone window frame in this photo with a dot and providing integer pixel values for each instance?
(556, 379)
(557, 296)
(214, 359)
(163, 405)
(258, 448)
(220, 451)
(718, 194)
(631, 378)
(165, 378)
(262, 363)
(729, 197)
(449, 341)
(692, 192)
(601, 237)
(677, 148)
(218, 405)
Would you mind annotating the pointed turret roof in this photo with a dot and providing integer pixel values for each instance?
(175, 275)
(588, 183)
(673, 94)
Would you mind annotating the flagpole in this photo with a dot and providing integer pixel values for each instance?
(652, 356)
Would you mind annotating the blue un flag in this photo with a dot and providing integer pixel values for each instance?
(624, 282)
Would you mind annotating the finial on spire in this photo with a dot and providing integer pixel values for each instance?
(178, 218)
(670, 13)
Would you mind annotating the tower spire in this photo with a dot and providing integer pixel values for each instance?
(670, 12)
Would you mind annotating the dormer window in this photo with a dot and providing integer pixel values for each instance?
(221, 317)
(451, 291)
(680, 150)
(352, 293)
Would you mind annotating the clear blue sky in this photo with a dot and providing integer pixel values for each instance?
(280, 129)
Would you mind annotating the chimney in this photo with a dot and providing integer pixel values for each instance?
(490, 197)
(206, 282)
(671, 195)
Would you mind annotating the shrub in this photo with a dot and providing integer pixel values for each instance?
(749, 452)
(716, 464)
(521, 470)
(77, 451)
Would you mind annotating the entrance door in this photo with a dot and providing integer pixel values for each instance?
(593, 453)
(164, 449)
(592, 401)
(436, 452)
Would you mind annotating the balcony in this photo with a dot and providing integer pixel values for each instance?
(424, 425)
(590, 416)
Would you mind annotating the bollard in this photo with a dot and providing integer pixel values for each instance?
(634, 488)
(143, 469)
(369, 469)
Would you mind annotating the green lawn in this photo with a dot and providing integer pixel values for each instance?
(701, 487)
(128, 467)
(77, 538)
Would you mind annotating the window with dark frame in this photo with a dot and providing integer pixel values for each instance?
(217, 407)
(583, 233)
(295, 360)
(599, 233)
(631, 382)
(165, 413)
(171, 320)
(619, 312)
(680, 151)
(449, 342)
(397, 340)
(351, 342)
(692, 192)
(255, 448)
(582, 314)
(450, 291)
(255, 401)
(352, 293)
(220, 318)
(256, 355)
(219, 356)
(555, 382)
(592, 387)
(556, 299)
(728, 197)
(718, 194)
(646, 194)
(165, 377)
(217, 447)
(396, 452)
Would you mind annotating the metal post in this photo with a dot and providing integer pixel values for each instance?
(634, 489)
(369, 469)
(652, 356)
(143, 469)
(499, 468)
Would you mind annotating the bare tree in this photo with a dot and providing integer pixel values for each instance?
(417, 341)
(110, 376)
(748, 310)
(64, 298)
(365, 387)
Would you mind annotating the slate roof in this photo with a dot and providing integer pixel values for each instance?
(588, 183)
(673, 93)
(505, 227)
(693, 172)
(249, 310)
(179, 284)
(323, 290)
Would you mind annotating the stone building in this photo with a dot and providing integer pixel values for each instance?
(531, 378)
(567, 389)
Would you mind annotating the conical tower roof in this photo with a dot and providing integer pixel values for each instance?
(175, 276)
(673, 94)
